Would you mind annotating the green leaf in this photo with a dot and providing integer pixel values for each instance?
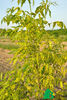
(25, 67)
(43, 70)
(33, 2)
(19, 12)
(54, 24)
(29, 1)
(38, 9)
(61, 84)
(64, 26)
(46, 1)
(49, 24)
(18, 1)
(45, 22)
(17, 8)
(17, 80)
(49, 13)
(60, 24)
(1, 76)
(22, 2)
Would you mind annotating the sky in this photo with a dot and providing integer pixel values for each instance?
(59, 12)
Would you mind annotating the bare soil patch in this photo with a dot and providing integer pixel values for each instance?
(65, 45)
(4, 62)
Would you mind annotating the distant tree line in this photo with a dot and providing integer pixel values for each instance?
(8, 32)
(58, 31)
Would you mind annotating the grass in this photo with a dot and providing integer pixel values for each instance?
(8, 46)
(3, 37)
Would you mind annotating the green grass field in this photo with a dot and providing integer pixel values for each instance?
(8, 46)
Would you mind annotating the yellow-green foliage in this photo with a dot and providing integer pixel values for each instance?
(42, 56)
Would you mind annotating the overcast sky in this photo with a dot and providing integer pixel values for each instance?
(58, 13)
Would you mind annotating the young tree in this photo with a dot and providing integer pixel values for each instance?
(41, 57)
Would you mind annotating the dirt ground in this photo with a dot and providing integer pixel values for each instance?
(4, 55)
(4, 60)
